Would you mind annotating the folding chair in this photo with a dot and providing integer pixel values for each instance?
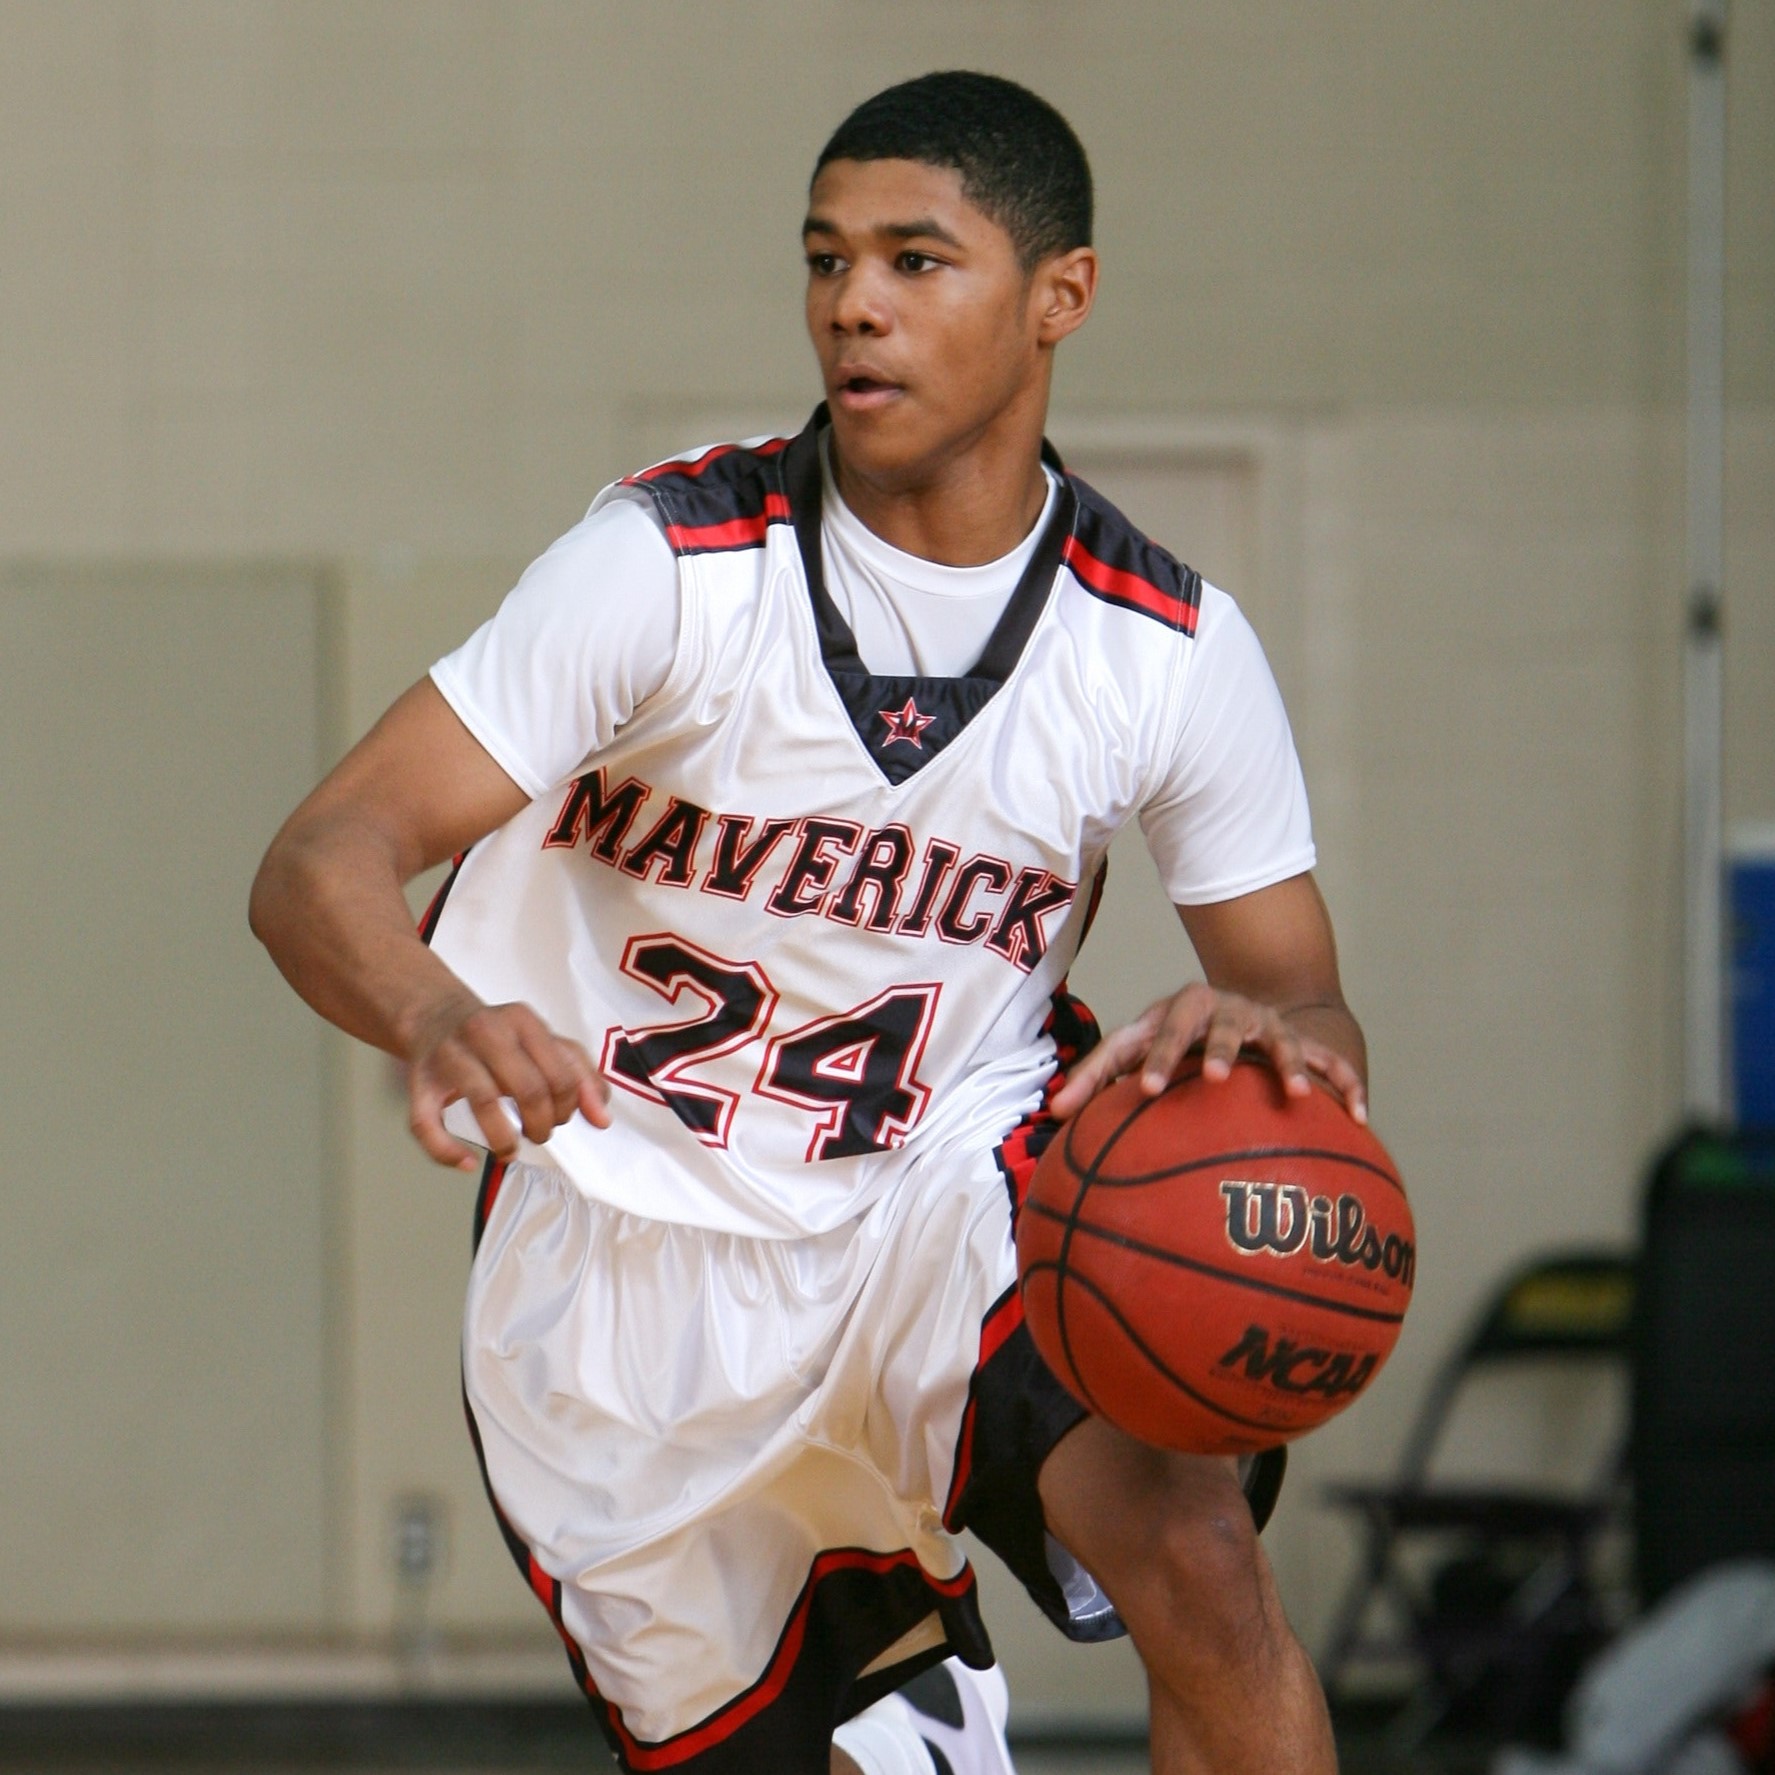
(1491, 1588)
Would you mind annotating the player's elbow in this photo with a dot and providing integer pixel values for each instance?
(296, 878)
(275, 890)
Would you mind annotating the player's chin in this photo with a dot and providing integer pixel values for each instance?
(887, 442)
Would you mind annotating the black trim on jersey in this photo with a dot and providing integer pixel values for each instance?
(428, 920)
(1111, 560)
(904, 722)
(725, 499)
(1017, 1414)
(728, 498)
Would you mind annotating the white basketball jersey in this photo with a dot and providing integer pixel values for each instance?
(809, 919)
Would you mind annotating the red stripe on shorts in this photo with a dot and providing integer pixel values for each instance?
(996, 1328)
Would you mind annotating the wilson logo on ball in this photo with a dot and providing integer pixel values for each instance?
(1281, 1218)
(1215, 1317)
(1298, 1368)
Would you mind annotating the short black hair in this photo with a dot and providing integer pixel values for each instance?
(1018, 158)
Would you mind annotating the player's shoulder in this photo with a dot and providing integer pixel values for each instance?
(716, 498)
(1113, 561)
(619, 541)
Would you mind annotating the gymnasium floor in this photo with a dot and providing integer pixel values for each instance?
(256, 1713)
(222, 1741)
(1029, 1762)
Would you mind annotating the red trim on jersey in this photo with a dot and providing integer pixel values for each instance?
(495, 1176)
(736, 533)
(998, 1326)
(1122, 587)
(755, 1700)
(544, 1586)
(1001, 1320)
(687, 465)
(428, 922)
(1015, 1155)
(682, 465)
(547, 1590)
(1074, 1031)
(964, 1467)
(548, 1593)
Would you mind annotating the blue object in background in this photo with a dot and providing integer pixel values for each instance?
(1751, 909)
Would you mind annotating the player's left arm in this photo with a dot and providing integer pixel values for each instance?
(1271, 962)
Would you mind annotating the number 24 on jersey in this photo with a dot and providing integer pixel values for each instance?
(856, 1072)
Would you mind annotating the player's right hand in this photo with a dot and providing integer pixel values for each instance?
(479, 1054)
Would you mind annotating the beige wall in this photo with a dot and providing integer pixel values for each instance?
(395, 284)
(318, 274)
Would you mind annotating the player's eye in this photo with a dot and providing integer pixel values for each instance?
(822, 264)
(916, 262)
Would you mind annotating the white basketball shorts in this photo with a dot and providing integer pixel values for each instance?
(733, 1469)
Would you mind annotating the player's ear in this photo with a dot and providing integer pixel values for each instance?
(1062, 290)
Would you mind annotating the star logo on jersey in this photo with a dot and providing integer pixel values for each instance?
(905, 724)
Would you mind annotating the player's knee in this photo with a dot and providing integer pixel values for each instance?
(1199, 1589)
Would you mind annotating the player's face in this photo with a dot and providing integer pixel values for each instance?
(929, 331)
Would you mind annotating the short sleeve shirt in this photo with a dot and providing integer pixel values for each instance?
(590, 633)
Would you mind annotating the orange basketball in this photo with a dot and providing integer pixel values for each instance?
(1218, 1268)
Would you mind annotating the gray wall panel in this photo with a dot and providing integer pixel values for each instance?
(161, 1094)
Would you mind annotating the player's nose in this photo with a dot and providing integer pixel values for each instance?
(859, 304)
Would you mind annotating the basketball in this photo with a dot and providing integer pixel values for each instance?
(1218, 1268)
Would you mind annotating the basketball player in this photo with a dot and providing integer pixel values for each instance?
(784, 781)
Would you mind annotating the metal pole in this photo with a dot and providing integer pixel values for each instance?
(1705, 1093)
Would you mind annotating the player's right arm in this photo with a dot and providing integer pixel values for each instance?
(327, 903)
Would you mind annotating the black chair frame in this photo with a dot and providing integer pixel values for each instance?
(1575, 1305)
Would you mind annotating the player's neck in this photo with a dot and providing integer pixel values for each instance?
(974, 505)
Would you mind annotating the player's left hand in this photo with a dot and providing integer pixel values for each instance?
(1223, 1022)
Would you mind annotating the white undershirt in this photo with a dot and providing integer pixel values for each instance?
(915, 618)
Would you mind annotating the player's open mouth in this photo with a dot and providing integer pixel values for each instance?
(861, 394)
